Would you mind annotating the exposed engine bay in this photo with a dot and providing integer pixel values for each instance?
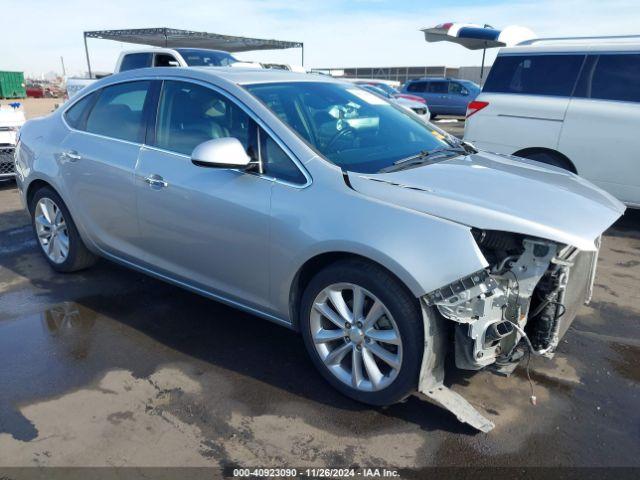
(523, 302)
(518, 302)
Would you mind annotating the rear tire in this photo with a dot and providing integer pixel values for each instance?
(549, 159)
(57, 233)
(394, 342)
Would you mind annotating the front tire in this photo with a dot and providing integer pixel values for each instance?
(57, 234)
(363, 330)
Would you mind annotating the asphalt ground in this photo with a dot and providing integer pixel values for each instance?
(109, 367)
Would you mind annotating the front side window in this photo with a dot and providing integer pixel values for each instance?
(190, 114)
(353, 128)
(118, 111)
(276, 163)
(455, 88)
(615, 77)
(132, 61)
(553, 75)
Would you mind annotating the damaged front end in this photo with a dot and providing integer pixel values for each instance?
(525, 300)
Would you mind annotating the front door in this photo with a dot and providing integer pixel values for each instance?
(205, 226)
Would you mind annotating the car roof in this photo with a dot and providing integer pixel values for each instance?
(576, 45)
(236, 75)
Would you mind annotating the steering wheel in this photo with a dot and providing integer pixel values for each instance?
(343, 132)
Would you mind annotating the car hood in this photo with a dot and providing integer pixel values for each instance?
(500, 192)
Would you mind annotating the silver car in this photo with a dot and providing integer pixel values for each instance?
(324, 208)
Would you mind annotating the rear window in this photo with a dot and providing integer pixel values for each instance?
(132, 61)
(553, 75)
(612, 77)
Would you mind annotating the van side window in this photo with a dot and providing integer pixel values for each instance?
(553, 75)
(118, 111)
(417, 87)
(132, 61)
(615, 77)
(438, 87)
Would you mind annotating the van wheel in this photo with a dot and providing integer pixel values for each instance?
(549, 159)
(57, 233)
(363, 330)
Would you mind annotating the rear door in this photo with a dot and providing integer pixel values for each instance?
(98, 159)
(527, 95)
(438, 96)
(600, 133)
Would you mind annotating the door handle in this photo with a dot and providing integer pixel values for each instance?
(156, 181)
(72, 155)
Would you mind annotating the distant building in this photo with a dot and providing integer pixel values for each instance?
(403, 74)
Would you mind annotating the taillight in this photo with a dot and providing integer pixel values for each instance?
(475, 107)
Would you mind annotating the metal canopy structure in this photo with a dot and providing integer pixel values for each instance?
(175, 38)
(478, 37)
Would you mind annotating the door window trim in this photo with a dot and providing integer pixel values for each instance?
(260, 124)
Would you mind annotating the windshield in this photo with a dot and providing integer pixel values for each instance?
(353, 128)
(206, 58)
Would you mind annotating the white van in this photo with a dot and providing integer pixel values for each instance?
(573, 103)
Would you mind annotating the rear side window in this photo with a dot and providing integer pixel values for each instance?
(613, 77)
(118, 111)
(417, 87)
(553, 75)
(131, 61)
(76, 116)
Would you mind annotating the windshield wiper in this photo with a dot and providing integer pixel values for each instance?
(422, 158)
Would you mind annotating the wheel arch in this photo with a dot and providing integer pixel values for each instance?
(33, 187)
(562, 158)
(322, 260)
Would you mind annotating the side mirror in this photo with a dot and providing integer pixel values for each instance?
(174, 63)
(220, 153)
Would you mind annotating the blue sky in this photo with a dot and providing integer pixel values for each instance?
(335, 32)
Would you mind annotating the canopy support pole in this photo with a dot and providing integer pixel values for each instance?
(86, 51)
(484, 52)
(302, 48)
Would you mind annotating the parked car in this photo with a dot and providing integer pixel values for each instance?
(165, 57)
(322, 207)
(389, 88)
(445, 96)
(569, 103)
(418, 108)
(11, 119)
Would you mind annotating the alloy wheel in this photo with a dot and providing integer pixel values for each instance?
(51, 229)
(356, 337)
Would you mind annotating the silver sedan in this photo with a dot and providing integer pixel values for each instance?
(322, 207)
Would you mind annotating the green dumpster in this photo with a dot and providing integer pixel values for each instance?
(12, 85)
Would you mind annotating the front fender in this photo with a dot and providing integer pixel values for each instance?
(423, 251)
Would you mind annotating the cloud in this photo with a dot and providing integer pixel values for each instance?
(335, 32)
